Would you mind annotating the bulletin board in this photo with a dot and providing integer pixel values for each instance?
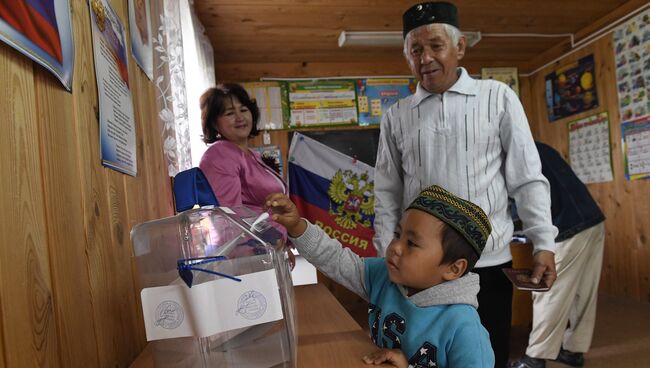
(324, 102)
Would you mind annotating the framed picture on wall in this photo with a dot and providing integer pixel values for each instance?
(507, 75)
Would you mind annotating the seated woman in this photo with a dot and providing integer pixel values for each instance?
(237, 174)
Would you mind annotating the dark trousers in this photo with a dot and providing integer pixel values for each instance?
(495, 309)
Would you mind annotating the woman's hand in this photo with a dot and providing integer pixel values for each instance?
(285, 213)
(390, 356)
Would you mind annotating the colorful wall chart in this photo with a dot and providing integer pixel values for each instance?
(571, 89)
(326, 102)
(635, 137)
(632, 52)
(589, 149)
(376, 95)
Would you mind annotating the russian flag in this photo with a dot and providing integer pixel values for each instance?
(333, 191)
(36, 20)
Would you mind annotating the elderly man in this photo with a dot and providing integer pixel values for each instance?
(472, 138)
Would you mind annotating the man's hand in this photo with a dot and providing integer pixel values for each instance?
(390, 356)
(544, 268)
(285, 213)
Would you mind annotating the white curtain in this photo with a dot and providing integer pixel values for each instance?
(178, 29)
(199, 73)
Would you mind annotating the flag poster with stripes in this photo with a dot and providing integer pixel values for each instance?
(333, 191)
(42, 31)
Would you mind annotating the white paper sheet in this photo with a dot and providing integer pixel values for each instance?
(211, 307)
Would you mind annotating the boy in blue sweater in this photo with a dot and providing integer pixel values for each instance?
(422, 298)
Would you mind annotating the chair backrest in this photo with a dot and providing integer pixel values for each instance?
(191, 187)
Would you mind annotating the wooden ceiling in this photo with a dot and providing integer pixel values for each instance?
(302, 32)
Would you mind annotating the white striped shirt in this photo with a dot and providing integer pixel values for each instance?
(473, 140)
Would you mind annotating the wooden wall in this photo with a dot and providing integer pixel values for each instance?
(67, 292)
(626, 265)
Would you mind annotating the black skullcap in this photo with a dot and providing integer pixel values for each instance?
(429, 13)
(462, 215)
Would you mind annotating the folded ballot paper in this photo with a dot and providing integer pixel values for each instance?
(215, 290)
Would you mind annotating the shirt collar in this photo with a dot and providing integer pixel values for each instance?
(465, 85)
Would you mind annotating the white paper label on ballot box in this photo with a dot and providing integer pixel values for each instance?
(211, 307)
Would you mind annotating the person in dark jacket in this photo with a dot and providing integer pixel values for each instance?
(579, 255)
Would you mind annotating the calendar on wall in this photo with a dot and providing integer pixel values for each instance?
(589, 148)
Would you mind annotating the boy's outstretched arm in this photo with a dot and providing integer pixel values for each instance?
(285, 213)
(324, 252)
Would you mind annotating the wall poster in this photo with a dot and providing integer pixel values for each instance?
(116, 120)
(589, 149)
(271, 98)
(508, 75)
(571, 89)
(41, 30)
(376, 95)
(324, 102)
(635, 137)
(140, 27)
(632, 52)
(272, 157)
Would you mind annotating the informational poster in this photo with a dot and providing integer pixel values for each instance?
(636, 148)
(272, 157)
(571, 89)
(589, 149)
(41, 30)
(507, 75)
(116, 121)
(632, 52)
(140, 26)
(327, 102)
(376, 95)
(273, 102)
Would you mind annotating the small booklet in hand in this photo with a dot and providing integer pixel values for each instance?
(520, 277)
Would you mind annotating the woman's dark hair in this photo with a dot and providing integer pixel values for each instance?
(213, 105)
(455, 247)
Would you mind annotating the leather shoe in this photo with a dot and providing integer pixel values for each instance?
(570, 358)
(528, 362)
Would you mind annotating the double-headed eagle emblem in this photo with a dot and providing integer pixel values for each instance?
(352, 199)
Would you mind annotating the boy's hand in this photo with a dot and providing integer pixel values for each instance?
(390, 356)
(285, 213)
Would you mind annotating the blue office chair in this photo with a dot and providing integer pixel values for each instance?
(191, 187)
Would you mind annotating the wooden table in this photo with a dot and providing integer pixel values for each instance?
(327, 335)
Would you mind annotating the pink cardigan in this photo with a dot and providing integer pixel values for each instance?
(239, 178)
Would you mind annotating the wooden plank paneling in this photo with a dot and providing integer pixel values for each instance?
(67, 289)
(254, 71)
(288, 31)
(624, 203)
(64, 211)
(26, 300)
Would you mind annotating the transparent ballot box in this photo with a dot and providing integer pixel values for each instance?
(216, 290)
